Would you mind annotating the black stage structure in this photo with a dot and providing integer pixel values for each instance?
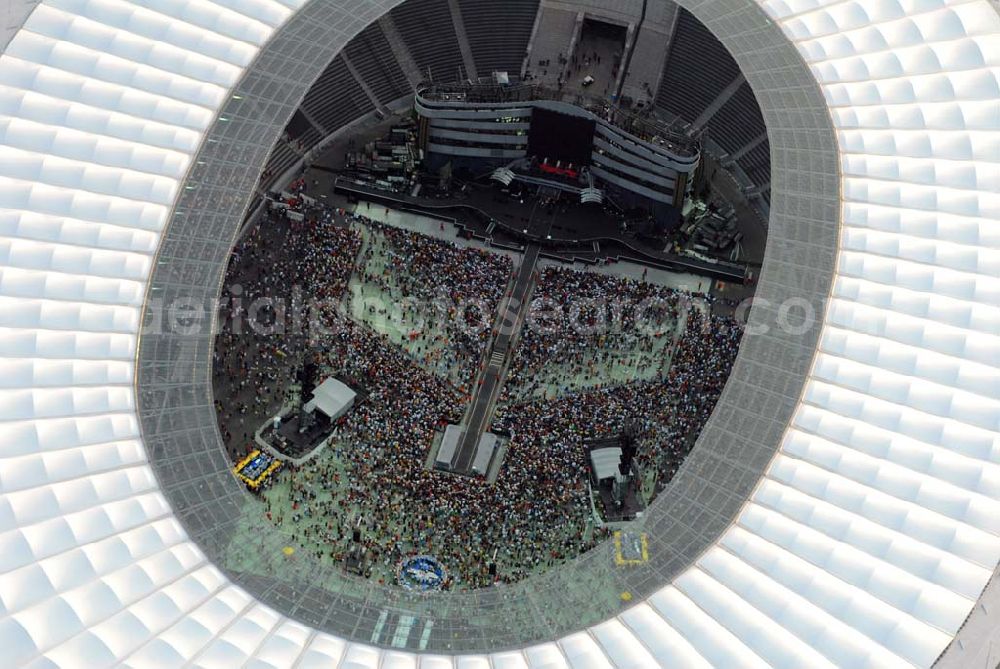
(561, 137)
(593, 242)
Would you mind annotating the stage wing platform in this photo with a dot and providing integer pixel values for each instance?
(449, 446)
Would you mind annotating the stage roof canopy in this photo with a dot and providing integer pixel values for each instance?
(604, 462)
(332, 398)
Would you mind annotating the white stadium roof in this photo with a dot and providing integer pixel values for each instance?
(868, 541)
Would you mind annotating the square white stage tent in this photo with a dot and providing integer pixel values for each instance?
(332, 397)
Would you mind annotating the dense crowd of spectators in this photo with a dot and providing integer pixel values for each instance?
(538, 511)
(532, 516)
(666, 413)
(581, 323)
(274, 273)
(456, 291)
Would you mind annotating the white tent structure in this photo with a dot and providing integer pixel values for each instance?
(867, 543)
(605, 463)
(450, 440)
(333, 398)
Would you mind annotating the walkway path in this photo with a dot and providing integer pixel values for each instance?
(491, 380)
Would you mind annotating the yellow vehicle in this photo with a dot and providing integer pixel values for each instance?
(256, 468)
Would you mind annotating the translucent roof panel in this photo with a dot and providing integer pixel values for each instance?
(856, 525)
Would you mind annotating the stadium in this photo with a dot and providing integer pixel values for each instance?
(276, 391)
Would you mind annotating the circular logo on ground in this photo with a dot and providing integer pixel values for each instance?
(422, 573)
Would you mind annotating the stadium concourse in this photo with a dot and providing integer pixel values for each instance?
(839, 509)
(393, 307)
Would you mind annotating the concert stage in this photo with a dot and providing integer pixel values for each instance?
(630, 508)
(460, 453)
(578, 233)
(292, 444)
(299, 432)
(614, 478)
